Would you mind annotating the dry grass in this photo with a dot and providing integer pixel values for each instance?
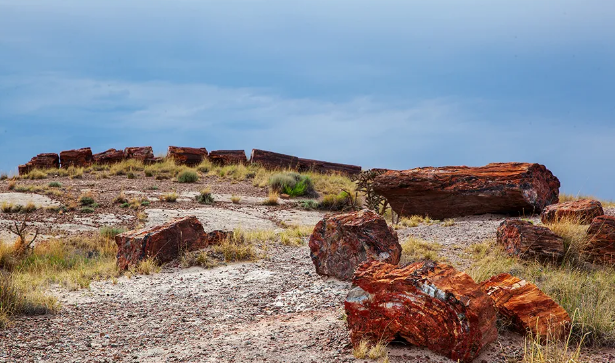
(147, 266)
(169, 197)
(235, 199)
(35, 175)
(537, 349)
(367, 350)
(11, 185)
(570, 197)
(415, 221)
(415, 249)
(272, 199)
(573, 234)
(237, 248)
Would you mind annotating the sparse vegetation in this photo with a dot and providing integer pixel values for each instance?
(235, 199)
(415, 249)
(187, 176)
(372, 351)
(169, 197)
(12, 184)
(35, 174)
(120, 198)
(415, 221)
(292, 184)
(272, 199)
(54, 184)
(340, 202)
(538, 349)
(147, 266)
(110, 232)
(205, 196)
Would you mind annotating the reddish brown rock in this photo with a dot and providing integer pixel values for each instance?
(428, 304)
(228, 157)
(325, 167)
(581, 211)
(142, 153)
(164, 242)
(110, 156)
(453, 191)
(600, 245)
(523, 239)
(190, 156)
(79, 158)
(274, 161)
(341, 242)
(526, 307)
(40, 161)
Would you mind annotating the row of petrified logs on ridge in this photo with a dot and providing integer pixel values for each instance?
(185, 156)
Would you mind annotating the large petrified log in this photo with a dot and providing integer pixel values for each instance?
(523, 239)
(600, 246)
(272, 160)
(228, 157)
(142, 153)
(190, 156)
(40, 161)
(428, 304)
(452, 191)
(581, 211)
(339, 243)
(79, 158)
(164, 242)
(526, 307)
(110, 156)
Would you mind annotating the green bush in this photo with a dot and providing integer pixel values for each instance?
(54, 184)
(87, 210)
(293, 184)
(111, 232)
(188, 176)
(87, 201)
(205, 197)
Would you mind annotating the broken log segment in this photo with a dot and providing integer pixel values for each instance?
(110, 156)
(455, 191)
(190, 156)
(524, 239)
(40, 161)
(79, 158)
(228, 157)
(274, 161)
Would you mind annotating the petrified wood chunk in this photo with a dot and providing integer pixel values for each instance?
(110, 156)
(143, 153)
(453, 191)
(341, 242)
(272, 160)
(40, 161)
(581, 211)
(228, 157)
(164, 242)
(523, 239)
(428, 304)
(190, 156)
(79, 158)
(600, 245)
(325, 167)
(527, 308)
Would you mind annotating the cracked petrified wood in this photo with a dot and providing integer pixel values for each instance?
(228, 157)
(79, 158)
(272, 160)
(523, 239)
(165, 242)
(452, 191)
(428, 304)
(339, 243)
(600, 246)
(190, 156)
(526, 307)
(581, 211)
(110, 156)
(40, 161)
(142, 153)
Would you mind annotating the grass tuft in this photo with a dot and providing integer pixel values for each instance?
(272, 199)
(187, 176)
(415, 249)
(169, 197)
(205, 196)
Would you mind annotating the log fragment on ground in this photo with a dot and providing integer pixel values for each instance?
(527, 307)
(79, 158)
(581, 211)
(339, 243)
(141, 153)
(228, 157)
(600, 243)
(40, 161)
(110, 156)
(453, 191)
(190, 156)
(428, 304)
(271, 160)
(523, 239)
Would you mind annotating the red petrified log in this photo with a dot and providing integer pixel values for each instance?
(110, 156)
(228, 157)
(79, 158)
(164, 242)
(190, 156)
(341, 242)
(527, 308)
(600, 245)
(581, 211)
(522, 238)
(453, 191)
(143, 153)
(40, 161)
(428, 304)
(271, 160)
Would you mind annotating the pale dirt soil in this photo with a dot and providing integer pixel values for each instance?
(276, 309)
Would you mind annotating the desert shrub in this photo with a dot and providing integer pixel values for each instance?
(309, 204)
(169, 197)
(120, 198)
(235, 199)
(187, 176)
(272, 199)
(236, 248)
(197, 258)
(12, 185)
(147, 266)
(340, 202)
(29, 208)
(87, 210)
(293, 184)
(87, 200)
(54, 184)
(205, 196)
(110, 232)
(130, 175)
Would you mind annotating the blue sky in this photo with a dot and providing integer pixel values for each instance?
(394, 84)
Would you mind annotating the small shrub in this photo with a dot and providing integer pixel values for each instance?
(339, 202)
(146, 267)
(121, 198)
(125, 205)
(87, 210)
(272, 199)
(12, 184)
(130, 175)
(188, 176)
(145, 203)
(205, 196)
(235, 199)
(308, 204)
(29, 208)
(7, 207)
(205, 166)
(448, 222)
(86, 200)
(169, 197)
(236, 248)
(110, 232)
(54, 184)
(149, 173)
(198, 258)
(293, 184)
(153, 187)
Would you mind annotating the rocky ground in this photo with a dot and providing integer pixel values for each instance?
(273, 310)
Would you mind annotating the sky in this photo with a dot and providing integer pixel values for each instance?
(388, 84)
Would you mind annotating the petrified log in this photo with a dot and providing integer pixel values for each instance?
(164, 242)
(325, 167)
(428, 304)
(40, 161)
(142, 153)
(453, 191)
(600, 246)
(341, 242)
(581, 211)
(79, 158)
(190, 156)
(523, 239)
(271, 160)
(228, 157)
(110, 156)
(526, 307)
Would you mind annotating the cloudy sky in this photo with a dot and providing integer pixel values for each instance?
(393, 84)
